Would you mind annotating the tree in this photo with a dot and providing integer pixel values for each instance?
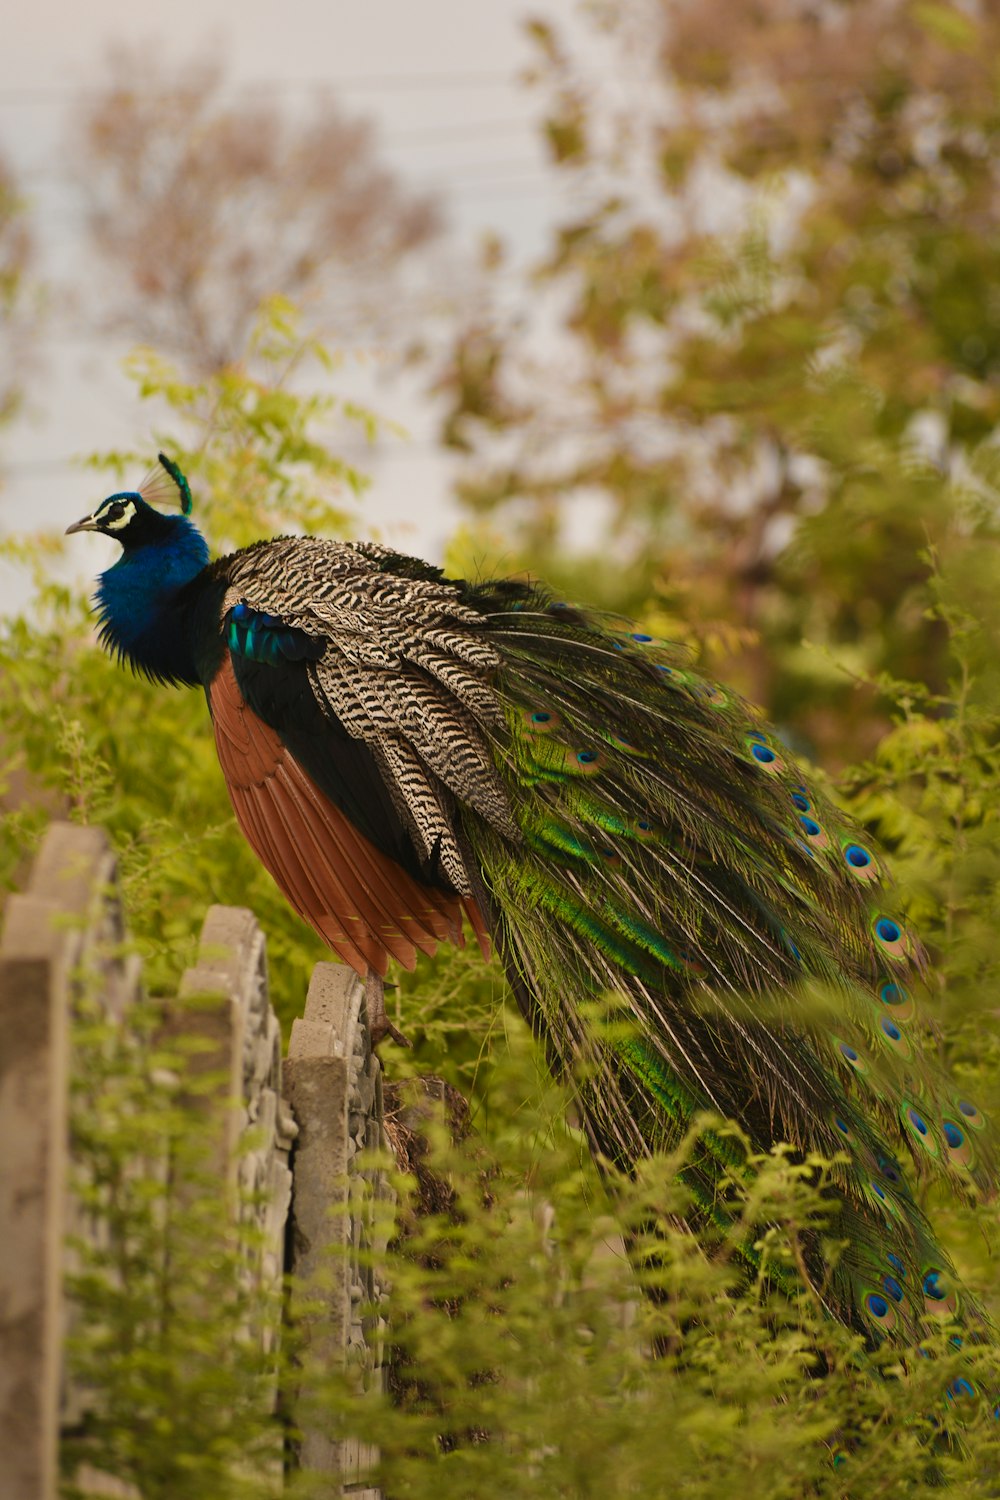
(203, 208)
(777, 333)
(16, 253)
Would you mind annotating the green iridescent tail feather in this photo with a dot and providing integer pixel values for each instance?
(676, 864)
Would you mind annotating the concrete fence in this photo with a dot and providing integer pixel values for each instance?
(295, 1136)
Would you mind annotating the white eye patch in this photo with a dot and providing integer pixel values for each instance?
(116, 515)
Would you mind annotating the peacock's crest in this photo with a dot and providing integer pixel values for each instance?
(165, 487)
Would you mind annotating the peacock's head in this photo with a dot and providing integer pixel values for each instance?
(128, 515)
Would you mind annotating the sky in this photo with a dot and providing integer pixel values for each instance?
(441, 80)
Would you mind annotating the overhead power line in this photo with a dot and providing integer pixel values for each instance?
(383, 83)
(430, 134)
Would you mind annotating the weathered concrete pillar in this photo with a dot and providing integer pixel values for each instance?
(254, 1124)
(333, 1082)
(61, 935)
(32, 1188)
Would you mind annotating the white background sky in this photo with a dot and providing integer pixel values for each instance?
(441, 80)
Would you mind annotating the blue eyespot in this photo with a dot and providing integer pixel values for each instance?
(848, 1052)
(917, 1121)
(953, 1135)
(763, 753)
(896, 1263)
(586, 757)
(891, 1029)
(638, 636)
(857, 856)
(893, 1287)
(802, 803)
(888, 930)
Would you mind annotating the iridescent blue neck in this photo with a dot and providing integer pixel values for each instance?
(145, 605)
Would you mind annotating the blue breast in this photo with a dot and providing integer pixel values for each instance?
(147, 605)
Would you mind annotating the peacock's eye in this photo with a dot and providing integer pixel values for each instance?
(114, 512)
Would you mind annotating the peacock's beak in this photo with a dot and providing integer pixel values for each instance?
(87, 524)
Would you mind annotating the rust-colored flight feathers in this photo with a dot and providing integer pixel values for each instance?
(360, 901)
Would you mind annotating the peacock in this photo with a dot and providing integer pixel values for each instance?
(406, 752)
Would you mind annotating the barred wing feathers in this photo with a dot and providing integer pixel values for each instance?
(361, 903)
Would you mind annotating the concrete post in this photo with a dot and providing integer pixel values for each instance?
(333, 1082)
(62, 933)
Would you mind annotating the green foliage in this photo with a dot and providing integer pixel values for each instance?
(170, 1339)
(527, 1345)
(18, 298)
(530, 1354)
(777, 276)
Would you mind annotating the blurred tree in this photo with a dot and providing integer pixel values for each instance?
(203, 208)
(776, 327)
(16, 252)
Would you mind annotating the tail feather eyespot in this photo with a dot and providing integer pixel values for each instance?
(710, 693)
(970, 1114)
(890, 1170)
(940, 1297)
(846, 1052)
(898, 1000)
(892, 937)
(861, 862)
(892, 1036)
(880, 1311)
(919, 1128)
(815, 833)
(892, 1288)
(763, 756)
(540, 720)
(958, 1143)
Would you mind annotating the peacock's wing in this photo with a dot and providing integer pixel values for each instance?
(348, 805)
(629, 831)
(361, 902)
